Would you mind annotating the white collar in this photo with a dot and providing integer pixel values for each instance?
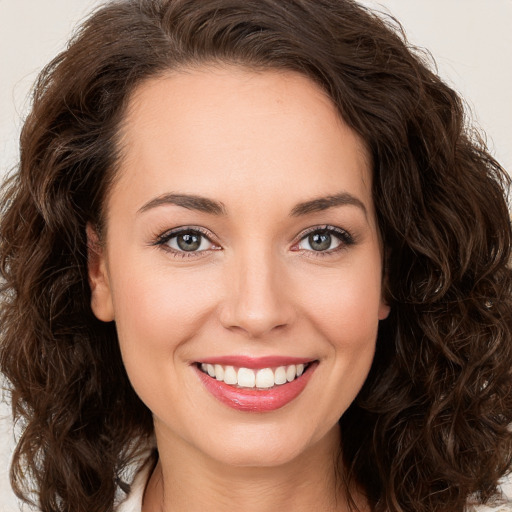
(133, 502)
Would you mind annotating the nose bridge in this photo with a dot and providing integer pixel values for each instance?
(257, 301)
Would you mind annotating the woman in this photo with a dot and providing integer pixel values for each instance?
(253, 257)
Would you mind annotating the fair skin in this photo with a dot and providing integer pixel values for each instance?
(272, 275)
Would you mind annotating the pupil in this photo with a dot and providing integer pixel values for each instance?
(320, 241)
(189, 242)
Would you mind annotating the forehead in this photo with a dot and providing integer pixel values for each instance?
(213, 130)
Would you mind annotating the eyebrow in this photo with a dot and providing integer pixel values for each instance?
(205, 205)
(324, 203)
(190, 202)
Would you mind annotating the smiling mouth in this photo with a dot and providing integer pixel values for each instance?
(258, 379)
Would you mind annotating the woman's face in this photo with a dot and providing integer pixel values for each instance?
(241, 234)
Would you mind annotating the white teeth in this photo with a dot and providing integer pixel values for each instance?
(230, 376)
(291, 372)
(219, 372)
(264, 378)
(280, 375)
(246, 378)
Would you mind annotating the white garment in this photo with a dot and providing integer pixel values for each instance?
(133, 502)
(506, 507)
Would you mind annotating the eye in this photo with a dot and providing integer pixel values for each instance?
(186, 240)
(325, 239)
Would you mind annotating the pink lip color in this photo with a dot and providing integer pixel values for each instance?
(256, 400)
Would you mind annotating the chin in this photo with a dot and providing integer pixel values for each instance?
(258, 455)
(263, 447)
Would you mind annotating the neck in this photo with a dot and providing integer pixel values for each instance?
(190, 481)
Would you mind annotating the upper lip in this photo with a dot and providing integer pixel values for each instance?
(256, 362)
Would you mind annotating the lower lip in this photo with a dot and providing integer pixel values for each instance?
(257, 400)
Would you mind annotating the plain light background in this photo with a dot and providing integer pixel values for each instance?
(470, 40)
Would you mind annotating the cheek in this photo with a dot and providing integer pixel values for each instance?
(157, 313)
(346, 305)
(343, 315)
(158, 309)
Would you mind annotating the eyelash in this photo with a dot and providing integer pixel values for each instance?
(344, 237)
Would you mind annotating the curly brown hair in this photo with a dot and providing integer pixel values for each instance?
(430, 427)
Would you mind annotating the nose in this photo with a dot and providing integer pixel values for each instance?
(257, 301)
